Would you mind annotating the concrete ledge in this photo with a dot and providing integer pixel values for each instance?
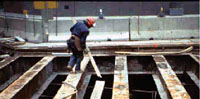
(93, 36)
(165, 35)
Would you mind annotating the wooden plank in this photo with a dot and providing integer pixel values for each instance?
(195, 58)
(83, 87)
(8, 60)
(160, 87)
(12, 90)
(67, 90)
(172, 84)
(98, 90)
(194, 78)
(120, 85)
(74, 20)
(156, 53)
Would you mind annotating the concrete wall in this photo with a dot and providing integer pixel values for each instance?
(114, 28)
(164, 28)
(27, 29)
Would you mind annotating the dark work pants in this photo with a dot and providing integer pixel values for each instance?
(76, 57)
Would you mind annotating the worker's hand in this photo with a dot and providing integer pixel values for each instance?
(85, 51)
(79, 49)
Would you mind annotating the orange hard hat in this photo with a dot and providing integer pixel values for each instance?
(90, 21)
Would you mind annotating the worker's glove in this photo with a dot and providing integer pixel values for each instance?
(85, 51)
(80, 49)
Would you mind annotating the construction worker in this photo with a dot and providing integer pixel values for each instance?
(77, 42)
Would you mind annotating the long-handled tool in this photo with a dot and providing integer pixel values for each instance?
(93, 63)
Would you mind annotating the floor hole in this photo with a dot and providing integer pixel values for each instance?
(53, 87)
(107, 92)
(142, 87)
(189, 85)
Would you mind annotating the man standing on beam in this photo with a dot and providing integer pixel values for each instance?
(77, 41)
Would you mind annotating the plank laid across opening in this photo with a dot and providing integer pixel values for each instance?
(160, 87)
(98, 90)
(12, 90)
(120, 85)
(67, 89)
(173, 85)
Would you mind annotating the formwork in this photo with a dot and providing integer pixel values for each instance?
(39, 71)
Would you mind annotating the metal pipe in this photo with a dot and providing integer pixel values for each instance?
(47, 16)
(34, 25)
(139, 19)
(129, 28)
(6, 22)
(56, 18)
(25, 25)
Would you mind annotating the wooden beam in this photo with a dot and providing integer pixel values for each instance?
(172, 84)
(120, 85)
(194, 78)
(162, 92)
(98, 90)
(67, 89)
(14, 89)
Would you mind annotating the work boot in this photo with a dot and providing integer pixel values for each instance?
(69, 67)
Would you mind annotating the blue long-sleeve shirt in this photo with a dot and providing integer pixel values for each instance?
(80, 30)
